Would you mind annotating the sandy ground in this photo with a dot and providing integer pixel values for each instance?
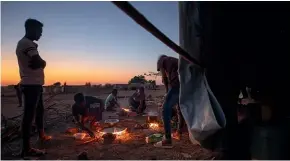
(64, 146)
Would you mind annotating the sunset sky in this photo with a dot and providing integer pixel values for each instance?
(87, 41)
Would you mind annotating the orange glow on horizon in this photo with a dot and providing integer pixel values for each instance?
(68, 72)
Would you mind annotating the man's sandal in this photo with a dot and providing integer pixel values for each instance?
(163, 144)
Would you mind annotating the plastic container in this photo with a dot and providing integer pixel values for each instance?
(153, 138)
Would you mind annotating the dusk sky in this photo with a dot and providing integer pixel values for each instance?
(88, 41)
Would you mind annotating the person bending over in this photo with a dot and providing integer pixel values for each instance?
(168, 66)
(87, 109)
(112, 101)
(137, 101)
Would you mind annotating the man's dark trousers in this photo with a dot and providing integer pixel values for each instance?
(33, 109)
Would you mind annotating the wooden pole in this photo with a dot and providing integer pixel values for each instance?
(142, 21)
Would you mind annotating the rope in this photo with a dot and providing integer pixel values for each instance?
(142, 21)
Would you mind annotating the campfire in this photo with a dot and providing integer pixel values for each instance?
(114, 133)
(153, 125)
(114, 130)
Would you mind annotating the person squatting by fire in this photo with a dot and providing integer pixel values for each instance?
(87, 109)
(137, 101)
(112, 101)
(168, 66)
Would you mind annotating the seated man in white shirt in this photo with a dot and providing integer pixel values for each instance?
(112, 101)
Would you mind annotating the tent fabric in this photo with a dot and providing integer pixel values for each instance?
(200, 108)
(241, 44)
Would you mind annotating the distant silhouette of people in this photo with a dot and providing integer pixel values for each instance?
(64, 87)
(31, 67)
(18, 94)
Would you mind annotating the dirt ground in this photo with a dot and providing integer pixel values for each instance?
(64, 146)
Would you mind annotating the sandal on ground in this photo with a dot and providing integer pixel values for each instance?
(163, 144)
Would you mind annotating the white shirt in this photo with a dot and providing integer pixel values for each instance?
(110, 98)
(25, 50)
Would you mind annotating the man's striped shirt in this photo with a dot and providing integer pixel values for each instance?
(24, 52)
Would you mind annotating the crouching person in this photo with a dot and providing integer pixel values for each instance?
(87, 109)
(112, 101)
(137, 101)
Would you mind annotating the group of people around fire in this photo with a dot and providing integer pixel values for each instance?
(86, 109)
(89, 108)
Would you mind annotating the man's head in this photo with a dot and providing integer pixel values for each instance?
(79, 99)
(33, 29)
(115, 92)
(160, 61)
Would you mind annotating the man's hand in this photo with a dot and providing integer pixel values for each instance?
(36, 62)
(86, 129)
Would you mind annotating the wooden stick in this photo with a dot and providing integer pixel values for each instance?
(142, 21)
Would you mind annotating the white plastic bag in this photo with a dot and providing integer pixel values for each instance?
(200, 109)
(202, 112)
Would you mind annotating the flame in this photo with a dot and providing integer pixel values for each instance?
(153, 125)
(118, 133)
(126, 109)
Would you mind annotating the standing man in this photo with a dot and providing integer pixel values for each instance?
(31, 69)
(168, 66)
(18, 94)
